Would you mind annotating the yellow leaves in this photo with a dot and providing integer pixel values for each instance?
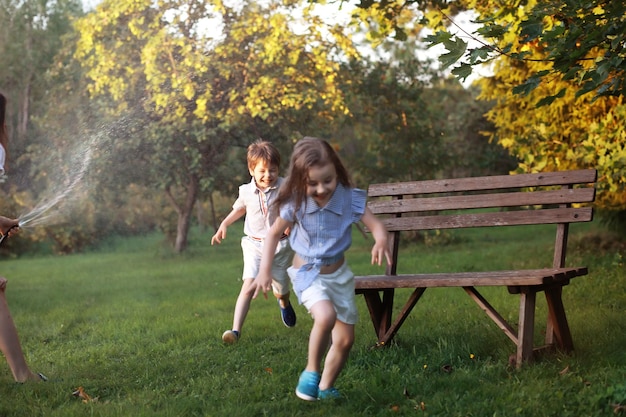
(570, 133)
(131, 48)
(189, 91)
(507, 142)
(201, 108)
(135, 26)
(294, 56)
(598, 10)
(80, 393)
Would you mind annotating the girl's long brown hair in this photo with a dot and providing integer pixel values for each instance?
(309, 152)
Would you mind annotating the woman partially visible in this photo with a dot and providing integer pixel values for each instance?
(9, 340)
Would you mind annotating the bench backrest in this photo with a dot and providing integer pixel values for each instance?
(524, 199)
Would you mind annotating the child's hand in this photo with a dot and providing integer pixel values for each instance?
(219, 236)
(260, 284)
(380, 250)
(381, 246)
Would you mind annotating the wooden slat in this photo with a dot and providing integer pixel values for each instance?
(475, 201)
(469, 279)
(526, 325)
(494, 182)
(504, 218)
(492, 313)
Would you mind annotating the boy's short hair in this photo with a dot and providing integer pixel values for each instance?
(263, 150)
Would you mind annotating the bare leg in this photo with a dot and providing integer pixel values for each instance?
(283, 299)
(10, 342)
(242, 306)
(343, 339)
(324, 318)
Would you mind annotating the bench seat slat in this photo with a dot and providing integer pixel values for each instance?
(504, 218)
(469, 279)
(494, 182)
(460, 202)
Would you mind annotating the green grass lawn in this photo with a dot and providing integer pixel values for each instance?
(139, 328)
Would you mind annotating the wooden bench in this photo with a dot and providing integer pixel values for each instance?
(558, 198)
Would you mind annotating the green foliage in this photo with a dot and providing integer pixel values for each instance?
(565, 132)
(614, 220)
(387, 121)
(197, 96)
(572, 35)
(171, 108)
(406, 122)
(614, 400)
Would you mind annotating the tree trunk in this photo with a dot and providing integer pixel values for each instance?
(213, 214)
(23, 114)
(182, 231)
(184, 212)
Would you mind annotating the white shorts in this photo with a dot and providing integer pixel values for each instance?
(252, 250)
(337, 287)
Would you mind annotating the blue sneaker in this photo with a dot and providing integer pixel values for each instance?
(331, 393)
(307, 388)
(288, 315)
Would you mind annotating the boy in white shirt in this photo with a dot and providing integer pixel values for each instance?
(254, 202)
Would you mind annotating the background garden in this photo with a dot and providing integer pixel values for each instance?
(128, 122)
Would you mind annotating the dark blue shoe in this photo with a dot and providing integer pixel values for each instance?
(288, 315)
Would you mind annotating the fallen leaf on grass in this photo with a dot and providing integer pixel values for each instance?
(513, 361)
(564, 371)
(268, 370)
(421, 406)
(80, 393)
(447, 368)
(395, 408)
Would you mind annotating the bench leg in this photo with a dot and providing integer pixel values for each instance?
(557, 321)
(526, 330)
(492, 313)
(402, 315)
(380, 309)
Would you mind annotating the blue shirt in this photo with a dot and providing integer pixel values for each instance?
(321, 235)
(325, 233)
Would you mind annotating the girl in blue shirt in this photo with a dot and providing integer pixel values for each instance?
(319, 205)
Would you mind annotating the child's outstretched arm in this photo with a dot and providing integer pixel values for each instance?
(263, 281)
(232, 217)
(379, 232)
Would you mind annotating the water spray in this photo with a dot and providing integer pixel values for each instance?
(41, 213)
